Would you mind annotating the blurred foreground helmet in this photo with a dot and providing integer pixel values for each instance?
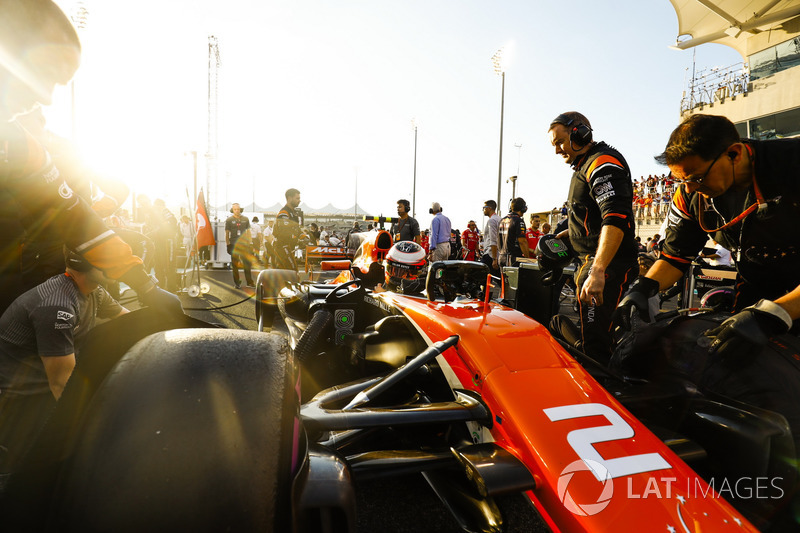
(405, 260)
(553, 255)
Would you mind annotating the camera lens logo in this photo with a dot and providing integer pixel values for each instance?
(589, 508)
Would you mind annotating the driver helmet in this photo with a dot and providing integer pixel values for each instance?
(405, 260)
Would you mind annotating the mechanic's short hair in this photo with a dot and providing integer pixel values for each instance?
(574, 116)
(705, 136)
(518, 204)
(291, 192)
(490, 203)
(405, 203)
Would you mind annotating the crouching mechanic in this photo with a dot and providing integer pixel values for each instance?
(405, 269)
(745, 194)
(39, 337)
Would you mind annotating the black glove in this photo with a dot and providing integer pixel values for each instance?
(749, 330)
(164, 301)
(636, 299)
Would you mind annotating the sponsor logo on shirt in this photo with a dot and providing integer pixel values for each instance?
(604, 197)
(64, 191)
(63, 315)
(603, 188)
(61, 325)
(602, 179)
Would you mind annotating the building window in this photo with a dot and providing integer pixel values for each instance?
(777, 126)
(775, 59)
(741, 127)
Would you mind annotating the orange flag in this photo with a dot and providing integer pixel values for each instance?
(205, 236)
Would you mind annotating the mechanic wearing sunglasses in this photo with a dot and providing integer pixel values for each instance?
(745, 195)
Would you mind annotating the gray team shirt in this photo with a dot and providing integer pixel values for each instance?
(46, 321)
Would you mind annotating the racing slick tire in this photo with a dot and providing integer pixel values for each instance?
(193, 430)
(268, 287)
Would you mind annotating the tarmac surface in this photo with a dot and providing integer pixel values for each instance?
(399, 505)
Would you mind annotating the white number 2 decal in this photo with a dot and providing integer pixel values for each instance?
(581, 441)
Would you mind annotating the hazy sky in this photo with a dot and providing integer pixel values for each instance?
(314, 93)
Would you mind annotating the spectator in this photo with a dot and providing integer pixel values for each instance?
(42, 332)
(490, 255)
(239, 245)
(440, 234)
(287, 231)
(601, 226)
(470, 240)
(455, 244)
(651, 243)
(407, 227)
(533, 234)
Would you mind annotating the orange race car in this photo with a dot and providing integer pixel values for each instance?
(246, 431)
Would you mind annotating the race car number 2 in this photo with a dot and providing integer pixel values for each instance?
(581, 440)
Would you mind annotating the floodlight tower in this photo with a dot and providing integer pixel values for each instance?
(213, 142)
(497, 62)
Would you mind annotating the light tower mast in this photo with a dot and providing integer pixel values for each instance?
(213, 142)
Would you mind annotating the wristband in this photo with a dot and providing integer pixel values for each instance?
(768, 306)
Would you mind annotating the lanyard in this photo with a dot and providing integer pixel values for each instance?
(744, 214)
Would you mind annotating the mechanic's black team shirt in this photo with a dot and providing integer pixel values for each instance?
(511, 229)
(33, 199)
(601, 194)
(766, 243)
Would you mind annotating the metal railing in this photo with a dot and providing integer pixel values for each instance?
(715, 85)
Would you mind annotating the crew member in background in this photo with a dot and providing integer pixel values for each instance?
(269, 239)
(511, 241)
(601, 227)
(440, 234)
(256, 234)
(40, 335)
(162, 228)
(470, 240)
(532, 234)
(490, 230)
(287, 231)
(239, 245)
(40, 50)
(407, 228)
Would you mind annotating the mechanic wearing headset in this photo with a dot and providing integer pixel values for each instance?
(601, 227)
(512, 243)
(41, 49)
(287, 231)
(40, 335)
(745, 194)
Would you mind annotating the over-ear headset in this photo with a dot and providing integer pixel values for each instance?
(76, 261)
(518, 204)
(579, 133)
